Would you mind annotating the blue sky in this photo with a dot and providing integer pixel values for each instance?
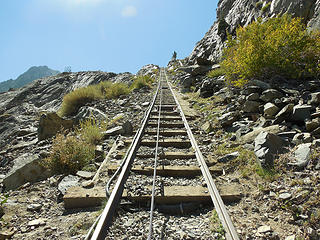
(107, 35)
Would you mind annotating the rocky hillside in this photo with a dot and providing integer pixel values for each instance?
(234, 13)
(19, 109)
(27, 77)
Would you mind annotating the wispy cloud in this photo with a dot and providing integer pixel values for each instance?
(129, 11)
(81, 2)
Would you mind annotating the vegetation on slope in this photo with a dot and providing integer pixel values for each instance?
(104, 90)
(75, 151)
(279, 46)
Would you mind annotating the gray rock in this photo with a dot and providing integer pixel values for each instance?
(67, 182)
(37, 222)
(287, 135)
(284, 113)
(207, 127)
(316, 132)
(228, 119)
(270, 109)
(301, 113)
(270, 95)
(251, 107)
(312, 124)
(266, 146)
(85, 175)
(50, 124)
(229, 157)
(195, 70)
(86, 112)
(315, 98)
(253, 97)
(26, 168)
(285, 196)
(113, 131)
(253, 89)
(148, 69)
(145, 104)
(261, 84)
(127, 128)
(302, 138)
(264, 229)
(302, 155)
(291, 237)
(34, 207)
(250, 137)
(186, 82)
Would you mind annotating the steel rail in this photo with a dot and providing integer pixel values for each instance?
(223, 215)
(107, 214)
(155, 165)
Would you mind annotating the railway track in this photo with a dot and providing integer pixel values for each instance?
(163, 180)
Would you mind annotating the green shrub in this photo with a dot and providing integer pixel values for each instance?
(69, 154)
(90, 132)
(215, 73)
(281, 46)
(266, 7)
(142, 81)
(79, 97)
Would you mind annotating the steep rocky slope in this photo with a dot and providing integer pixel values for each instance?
(27, 77)
(231, 14)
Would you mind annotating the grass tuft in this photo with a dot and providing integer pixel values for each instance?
(79, 97)
(142, 81)
(68, 154)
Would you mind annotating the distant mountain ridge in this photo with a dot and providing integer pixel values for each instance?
(33, 73)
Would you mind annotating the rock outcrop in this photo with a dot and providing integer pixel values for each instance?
(231, 14)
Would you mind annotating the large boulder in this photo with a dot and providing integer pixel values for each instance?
(301, 113)
(196, 70)
(270, 95)
(251, 107)
(250, 137)
(50, 124)
(67, 182)
(211, 85)
(267, 145)
(270, 110)
(186, 82)
(26, 168)
(284, 113)
(227, 119)
(302, 155)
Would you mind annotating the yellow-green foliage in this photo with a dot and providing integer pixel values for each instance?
(281, 46)
(77, 98)
(68, 154)
(215, 73)
(266, 7)
(90, 131)
(142, 81)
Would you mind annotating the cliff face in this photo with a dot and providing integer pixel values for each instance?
(234, 13)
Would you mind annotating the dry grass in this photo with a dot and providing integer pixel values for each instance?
(142, 81)
(79, 97)
(68, 154)
(90, 132)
